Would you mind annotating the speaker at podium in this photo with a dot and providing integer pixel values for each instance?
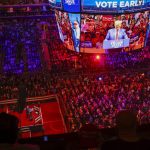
(113, 44)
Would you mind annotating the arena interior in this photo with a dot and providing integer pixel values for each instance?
(68, 67)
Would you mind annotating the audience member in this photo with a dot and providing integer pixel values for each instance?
(9, 134)
(127, 137)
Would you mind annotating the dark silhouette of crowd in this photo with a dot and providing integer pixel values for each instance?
(9, 132)
(88, 137)
(127, 135)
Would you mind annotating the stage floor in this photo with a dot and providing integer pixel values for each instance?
(44, 119)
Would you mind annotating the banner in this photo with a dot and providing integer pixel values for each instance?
(115, 44)
(71, 5)
(95, 5)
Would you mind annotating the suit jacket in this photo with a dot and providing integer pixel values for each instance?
(111, 34)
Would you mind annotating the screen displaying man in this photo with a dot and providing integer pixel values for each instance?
(116, 33)
(116, 37)
(76, 35)
(64, 28)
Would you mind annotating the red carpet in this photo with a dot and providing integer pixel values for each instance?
(50, 119)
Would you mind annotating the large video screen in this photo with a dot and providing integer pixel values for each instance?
(64, 28)
(75, 28)
(102, 32)
(69, 29)
(99, 5)
(71, 5)
(95, 6)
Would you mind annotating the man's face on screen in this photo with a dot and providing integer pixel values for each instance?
(75, 24)
(118, 26)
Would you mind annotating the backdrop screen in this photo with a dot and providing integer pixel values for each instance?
(108, 5)
(75, 28)
(69, 29)
(64, 28)
(97, 30)
(89, 6)
(92, 33)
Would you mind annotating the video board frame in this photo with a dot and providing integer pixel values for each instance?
(104, 51)
(101, 6)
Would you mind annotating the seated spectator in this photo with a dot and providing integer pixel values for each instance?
(88, 137)
(127, 137)
(9, 134)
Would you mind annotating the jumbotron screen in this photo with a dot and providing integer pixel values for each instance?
(68, 34)
(97, 6)
(96, 33)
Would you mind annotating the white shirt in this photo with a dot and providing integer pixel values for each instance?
(77, 33)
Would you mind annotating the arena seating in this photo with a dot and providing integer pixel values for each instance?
(88, 91)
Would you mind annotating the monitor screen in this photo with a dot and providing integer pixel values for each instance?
(109, 5)
(102, 32)
(75, 28)
(64, 28)
(97, 33)
(71, 5)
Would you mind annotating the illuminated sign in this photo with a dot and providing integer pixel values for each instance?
(70, 2)
(113, 4)
(116, 4)
(116, 43)
(97, 5)
(71, 5)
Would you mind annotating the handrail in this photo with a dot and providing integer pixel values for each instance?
(31, 99)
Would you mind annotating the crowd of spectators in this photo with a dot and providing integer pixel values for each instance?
(20, 45)
(89, 136)
(123, 60)
(25, 53)
(25, 10)
(96, 98)
(87, 98)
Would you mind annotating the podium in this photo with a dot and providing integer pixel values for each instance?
(110, 44)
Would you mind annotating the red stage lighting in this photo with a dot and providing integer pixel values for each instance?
(97, 57)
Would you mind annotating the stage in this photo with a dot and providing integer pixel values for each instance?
(38, 118)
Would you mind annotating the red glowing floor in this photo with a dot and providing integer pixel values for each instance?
(46, 115)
